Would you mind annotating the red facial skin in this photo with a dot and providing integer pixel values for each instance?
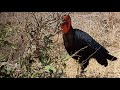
(65, 26)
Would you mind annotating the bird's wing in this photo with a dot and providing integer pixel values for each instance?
(86, 38)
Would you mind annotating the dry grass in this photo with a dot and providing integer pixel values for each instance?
(36, 56)
(103, 27)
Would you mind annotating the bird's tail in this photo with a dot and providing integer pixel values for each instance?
(110, 57)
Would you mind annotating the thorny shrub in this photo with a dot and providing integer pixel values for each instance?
(41, 57)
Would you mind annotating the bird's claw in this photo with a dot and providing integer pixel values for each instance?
(83, 71)
(81, 75)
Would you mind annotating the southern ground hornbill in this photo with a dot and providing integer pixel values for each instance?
(81, 46)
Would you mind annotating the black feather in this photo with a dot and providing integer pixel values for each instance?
(76, 39)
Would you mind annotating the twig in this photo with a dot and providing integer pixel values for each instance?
(76, 53)
(83, 62)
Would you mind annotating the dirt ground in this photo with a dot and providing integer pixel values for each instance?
(104, 27)
(94, 24)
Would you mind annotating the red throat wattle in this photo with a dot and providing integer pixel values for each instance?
(65, 26)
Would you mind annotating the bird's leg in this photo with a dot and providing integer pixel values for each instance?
(78, 69)
(83, 66)
(79, 74)
(82, 72)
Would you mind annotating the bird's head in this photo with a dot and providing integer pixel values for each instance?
(66, 23)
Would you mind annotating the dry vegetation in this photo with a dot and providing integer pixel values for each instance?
(32, 47)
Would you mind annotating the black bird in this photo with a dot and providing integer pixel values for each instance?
(81, 46)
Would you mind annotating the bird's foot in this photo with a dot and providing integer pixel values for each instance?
(83, 71)
(81, 75)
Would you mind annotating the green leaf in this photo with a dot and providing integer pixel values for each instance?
(1, 39)
(3, 57)
(8, 29)
(34, 75)
(13, 46)
(9, 69)
(49, 68)
(66, 57)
